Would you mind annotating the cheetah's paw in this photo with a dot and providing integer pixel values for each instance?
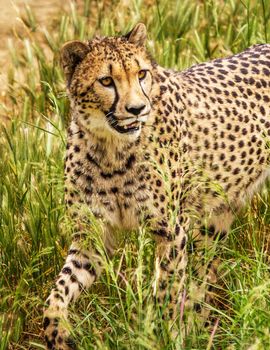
(57, 332)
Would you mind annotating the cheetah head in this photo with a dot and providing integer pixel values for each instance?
(109, 81)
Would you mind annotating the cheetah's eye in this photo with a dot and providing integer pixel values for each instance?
(142, 74)
(106, 81)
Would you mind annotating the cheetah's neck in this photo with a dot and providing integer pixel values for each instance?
(111, 154)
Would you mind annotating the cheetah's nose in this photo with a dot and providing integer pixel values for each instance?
(135, 110)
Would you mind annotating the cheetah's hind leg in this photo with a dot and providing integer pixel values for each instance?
(204, 262)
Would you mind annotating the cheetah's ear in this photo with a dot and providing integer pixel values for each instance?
(137, 35)
(71, 54)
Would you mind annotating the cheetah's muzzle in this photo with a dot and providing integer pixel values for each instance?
(123, 129)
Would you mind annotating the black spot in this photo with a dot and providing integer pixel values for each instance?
(54, 333)
(171, 311)
(164, 264)
(163, 88)
(129, 182)
(130, 161)
(77, 172)
(183, 243)
(88, 190)
(221, 235)
(114, 189)
(70, 342)
(58, 296)
(46, 322)
(173, 253)
(91, 159)
(77, 264)
(72, 251)
(197, 307)
(241, 143)
(210, 231)
(158, 183)
(244, 71)
(66, 290)
(102, 193)
(119, 172)
(203, 230)
(237, 78)
(258, 96)
(67, 270)
(162, 198)
(236, 171)
(253, 138)
(217, 91)
(89, 178)
(266, 71)
(142, 187)
(162, 285)
(106, 175)
(222, 156)
(161, 232)
(90, 268)
(50, 344)
(56, 321)
(73, 279)
(128, 194)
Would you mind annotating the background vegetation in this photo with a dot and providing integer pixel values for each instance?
(118, 313)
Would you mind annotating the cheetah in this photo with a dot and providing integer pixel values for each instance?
(180, 152)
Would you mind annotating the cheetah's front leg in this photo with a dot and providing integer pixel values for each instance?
(171, 261)
(81, 269)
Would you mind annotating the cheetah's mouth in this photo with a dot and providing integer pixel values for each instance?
(129, 125)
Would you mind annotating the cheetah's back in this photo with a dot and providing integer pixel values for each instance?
(227, 109)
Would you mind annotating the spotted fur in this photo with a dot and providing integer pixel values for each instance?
(182, 151)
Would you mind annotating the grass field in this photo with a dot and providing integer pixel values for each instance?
(118, 313)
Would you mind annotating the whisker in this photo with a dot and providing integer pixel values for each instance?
(108, 114)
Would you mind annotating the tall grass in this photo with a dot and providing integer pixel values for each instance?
(118, 313)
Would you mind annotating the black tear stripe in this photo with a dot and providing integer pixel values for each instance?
(116, 99)
(110, 112)
(145, 94)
